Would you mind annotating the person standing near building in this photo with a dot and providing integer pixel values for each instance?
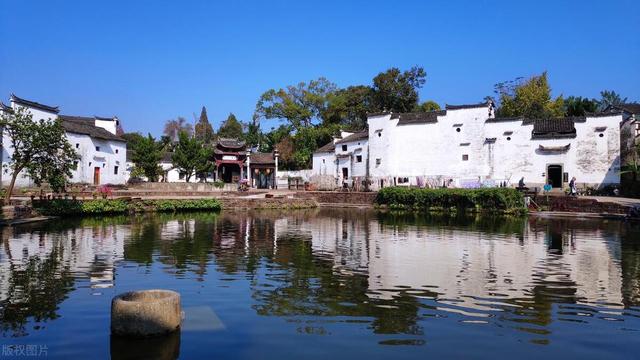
(573, 191)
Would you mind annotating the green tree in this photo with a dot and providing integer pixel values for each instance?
(299, 105)
(397, 91)
(427, 106)
(206, 165)
(349, 107)
(189, 155)
(610, 98)
(579, 106)
(40, 148)
(203, 129)
(253, 136)
(275, 136)
(632, 166)
(146, 155)
(307, 140)
(132, 139)
(173, 128)
(530, 98)
(231, 128)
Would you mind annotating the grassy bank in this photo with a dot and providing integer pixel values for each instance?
(60, 207)
(500, 200)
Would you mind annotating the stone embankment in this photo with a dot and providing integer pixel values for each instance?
(344, 199)
(267, 203)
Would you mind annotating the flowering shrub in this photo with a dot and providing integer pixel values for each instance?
(105, 191)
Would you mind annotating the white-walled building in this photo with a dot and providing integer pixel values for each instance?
(469, 145)
(102, 152)
(344, 158)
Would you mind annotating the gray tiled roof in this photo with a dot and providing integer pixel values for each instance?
(327, 148)
(231, 143)
(553, 128)
(33, 104)
(362, 135)
(86, 126)
(419, 117)
(262, 159)
(466, 106)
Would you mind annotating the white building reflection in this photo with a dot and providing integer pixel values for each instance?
(87, 253)
(468, 267)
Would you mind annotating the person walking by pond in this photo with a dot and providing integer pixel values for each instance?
(573, 191)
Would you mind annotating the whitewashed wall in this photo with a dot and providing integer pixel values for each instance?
(324, 163)
(435, 151)
(111, 154)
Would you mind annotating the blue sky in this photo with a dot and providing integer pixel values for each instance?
(149, 61)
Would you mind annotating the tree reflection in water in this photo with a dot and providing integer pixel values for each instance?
(393, 272)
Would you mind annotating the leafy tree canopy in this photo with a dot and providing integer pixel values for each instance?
(349, 107)
(146, 155)
(299, 105)
(397, 91)
(203, 129)
(231, 128)
(610, 98)
(579, 106)
(530, 98)
(40, 148)
(191, 156)
(427, 106)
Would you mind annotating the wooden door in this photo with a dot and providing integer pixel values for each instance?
(96, 175)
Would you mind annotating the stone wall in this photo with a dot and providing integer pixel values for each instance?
(577, 204)
(168, 186)
(268, 203)
(332, 197)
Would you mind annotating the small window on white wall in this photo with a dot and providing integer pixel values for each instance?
(77, 145)
(465, 157)
(378, 161)
(358, 158)
(97, 148)
(344, 147)
(115, 170)
(117, 151)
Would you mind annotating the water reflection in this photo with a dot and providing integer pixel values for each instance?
(390, 273)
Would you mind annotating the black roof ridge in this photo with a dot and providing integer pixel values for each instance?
(104, 118)
(379, 113)
(326, 148)
(6, 107)
(399, 115)
(37, 105)
(603, 114)
(506, 118)
(466, 106)
(358, 135)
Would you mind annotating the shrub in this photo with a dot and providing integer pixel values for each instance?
(486, 199)
(218, 184)
(105, 207)
(60, 207)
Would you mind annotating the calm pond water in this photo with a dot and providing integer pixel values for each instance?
(338, 284)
